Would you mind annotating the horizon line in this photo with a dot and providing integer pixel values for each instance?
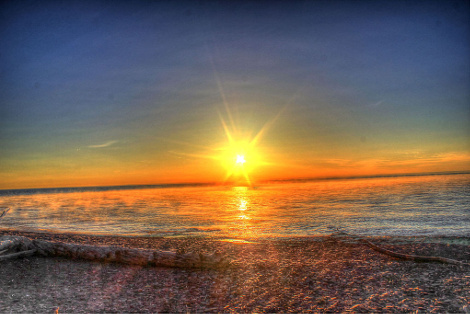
(196, 184)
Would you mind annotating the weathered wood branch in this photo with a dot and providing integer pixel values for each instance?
(114, 254)
(416, 258)
(410, 257)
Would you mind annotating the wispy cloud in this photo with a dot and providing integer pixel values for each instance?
(376, 104)
(107, 144)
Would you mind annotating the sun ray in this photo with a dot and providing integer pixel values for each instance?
(267, 126)
(222, 95)
(269, 123)
(226, 130)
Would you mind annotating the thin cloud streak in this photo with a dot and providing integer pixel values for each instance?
(107, 144)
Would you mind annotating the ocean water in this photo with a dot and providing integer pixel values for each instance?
(424, 205)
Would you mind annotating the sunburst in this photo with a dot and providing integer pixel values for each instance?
(241, 155)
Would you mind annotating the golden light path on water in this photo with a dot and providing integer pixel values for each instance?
(244, 214)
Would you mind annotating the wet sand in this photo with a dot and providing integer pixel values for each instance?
(317, 274)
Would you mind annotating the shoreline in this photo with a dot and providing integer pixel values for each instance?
(392, 239)
(317, 274)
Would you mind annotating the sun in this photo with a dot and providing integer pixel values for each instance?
(240, 156)
(240, 159)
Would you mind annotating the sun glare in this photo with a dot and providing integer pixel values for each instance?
(241, 155)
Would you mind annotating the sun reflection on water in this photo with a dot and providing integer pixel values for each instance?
(244, 213)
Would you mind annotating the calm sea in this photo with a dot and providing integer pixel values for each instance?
(426, 205)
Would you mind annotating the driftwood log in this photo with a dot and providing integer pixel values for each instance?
(16, 246)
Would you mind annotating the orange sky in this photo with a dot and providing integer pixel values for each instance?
(210, 155)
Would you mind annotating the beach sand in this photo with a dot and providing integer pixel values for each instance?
(315, 274)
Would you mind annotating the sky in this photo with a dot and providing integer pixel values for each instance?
(138, 92)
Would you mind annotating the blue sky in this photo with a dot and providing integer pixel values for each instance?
(132, 92)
